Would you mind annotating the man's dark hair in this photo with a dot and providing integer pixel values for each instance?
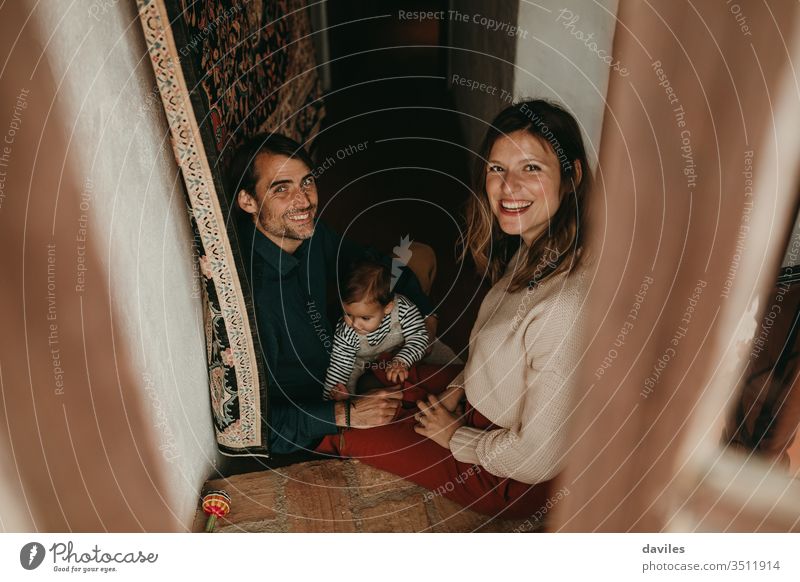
(242, 171)
(367, 280)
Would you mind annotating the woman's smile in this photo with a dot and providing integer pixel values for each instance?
(514, 207)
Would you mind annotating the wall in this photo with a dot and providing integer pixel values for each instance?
(135, 202)
(562, 58)
(557, 50)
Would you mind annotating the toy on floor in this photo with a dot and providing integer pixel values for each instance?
(216, 503)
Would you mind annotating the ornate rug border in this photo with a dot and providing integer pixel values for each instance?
(246, 435)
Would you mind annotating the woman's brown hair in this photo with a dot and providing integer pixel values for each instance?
(560, 247)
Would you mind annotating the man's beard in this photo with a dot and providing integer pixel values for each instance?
(282, 227)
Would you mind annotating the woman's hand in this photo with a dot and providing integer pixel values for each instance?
(436, 422)
(451, 398)
(375, 408)
(396, 372)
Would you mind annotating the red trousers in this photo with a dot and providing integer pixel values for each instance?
(396, 448)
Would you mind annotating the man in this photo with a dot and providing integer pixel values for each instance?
(290, 257)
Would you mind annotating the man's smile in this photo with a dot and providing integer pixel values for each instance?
(301, 216)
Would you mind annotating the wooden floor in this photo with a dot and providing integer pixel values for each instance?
(343, 496)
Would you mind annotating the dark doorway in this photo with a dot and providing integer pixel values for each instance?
(391, 155)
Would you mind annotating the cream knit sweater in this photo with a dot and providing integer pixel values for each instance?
(524, 351)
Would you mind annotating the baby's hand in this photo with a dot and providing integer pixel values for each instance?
(339, 392)
(396, 372)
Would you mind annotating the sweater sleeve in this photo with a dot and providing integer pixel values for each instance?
(300, 426)
(533, 450)
(414, 332)
(530, 452)
(343, 357)
(458, 380)
(293, 426)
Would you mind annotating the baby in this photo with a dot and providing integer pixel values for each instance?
(375, 321)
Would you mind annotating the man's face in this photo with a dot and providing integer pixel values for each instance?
(286, 198)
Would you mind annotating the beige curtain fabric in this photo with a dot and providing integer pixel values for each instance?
(696, 189)
(80, 448)
(766, 416)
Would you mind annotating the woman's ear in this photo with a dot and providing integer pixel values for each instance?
(569, 187)
(578, 173)
(246, 202)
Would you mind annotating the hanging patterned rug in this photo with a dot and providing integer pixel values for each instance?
(226, 71)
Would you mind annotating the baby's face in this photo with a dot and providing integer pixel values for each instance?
(365, 317)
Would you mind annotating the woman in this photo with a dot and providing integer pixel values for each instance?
(525, 231)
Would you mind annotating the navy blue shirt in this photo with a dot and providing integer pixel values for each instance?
(291, 308)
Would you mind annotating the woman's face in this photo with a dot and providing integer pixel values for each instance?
(523, 182)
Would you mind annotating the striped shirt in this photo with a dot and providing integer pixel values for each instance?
(346, 342)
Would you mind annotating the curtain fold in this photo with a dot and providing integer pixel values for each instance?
(696, 187)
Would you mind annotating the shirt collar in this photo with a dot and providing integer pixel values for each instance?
(273, 255)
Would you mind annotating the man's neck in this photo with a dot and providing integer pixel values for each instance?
(287, 245)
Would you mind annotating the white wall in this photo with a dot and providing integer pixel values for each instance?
(561, 58)
(546, 49)
(137, 211)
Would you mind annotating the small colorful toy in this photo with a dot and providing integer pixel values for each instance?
(216, 504)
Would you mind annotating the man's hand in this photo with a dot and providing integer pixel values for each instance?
(396, 372)
(339, 392)
(375, 408)
(436, 422)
